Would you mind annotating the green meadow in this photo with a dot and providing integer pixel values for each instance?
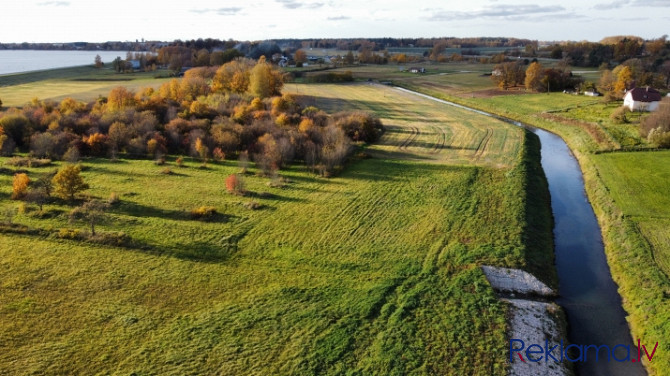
(82, 83)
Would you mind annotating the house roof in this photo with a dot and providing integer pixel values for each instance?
(641, 94)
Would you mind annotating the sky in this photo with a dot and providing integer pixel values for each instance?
(120, 20)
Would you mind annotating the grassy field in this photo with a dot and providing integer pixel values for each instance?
(638, 185)
(375, 271)
(418, 128)
(82, 83)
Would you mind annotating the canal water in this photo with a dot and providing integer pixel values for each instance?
(586, 290)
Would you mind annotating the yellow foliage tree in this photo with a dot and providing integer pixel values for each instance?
(624, 80)
(68, 182)
(534, 76)
(232, 76)
(20, 186)
(119, 98)
(264, 81)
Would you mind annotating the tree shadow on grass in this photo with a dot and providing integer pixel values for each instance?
(138, 210)
(276, 197)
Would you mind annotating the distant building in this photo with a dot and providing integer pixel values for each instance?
(642, 99)
(417, 70)
(135, 64)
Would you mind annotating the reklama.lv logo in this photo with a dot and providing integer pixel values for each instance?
(576, 353)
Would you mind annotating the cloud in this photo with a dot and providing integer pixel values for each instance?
(220, 11)
(339, 18)
(612, 5)
(652, 3)
(503, 12)
(54, 4)
(294, 4)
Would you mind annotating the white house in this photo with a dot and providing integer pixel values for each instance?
(417, 70)
(642, 99)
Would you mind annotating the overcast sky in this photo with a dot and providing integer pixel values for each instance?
(96, 21)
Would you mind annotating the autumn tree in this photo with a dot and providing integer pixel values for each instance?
(334, 150)
(624, 79)
(202, 150)
(91, 212)
(20, 186)
(269, 158)
(606, 82)
(68, 182)
(508, 74)
(232, 76)
(264, 81)
(235, 184)
(656, 126)
(118, 64)
(117, 137)
(437, 50)
(120, 98)
(97, 144)
(349, 58)
(300, 56)
(98, 61)
(534, 77)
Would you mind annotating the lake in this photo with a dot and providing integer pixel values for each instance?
(13, 61)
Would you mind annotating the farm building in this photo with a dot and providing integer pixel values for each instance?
(642, 99)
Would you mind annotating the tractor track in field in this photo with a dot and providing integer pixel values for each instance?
(411, 138)
(442, 140)
(483, 143)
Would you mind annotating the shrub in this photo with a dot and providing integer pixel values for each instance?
(69, 233)
(619, 116)
(235, 184)
(218, 154)
(28, 162)
(68, 182)
(113, 198)
(20, 186)
(203, 213)
(659, 120)
(8, 214)
(253, 205)
(118, 239)
(659, 138)
(359, 126)
(72, 155)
